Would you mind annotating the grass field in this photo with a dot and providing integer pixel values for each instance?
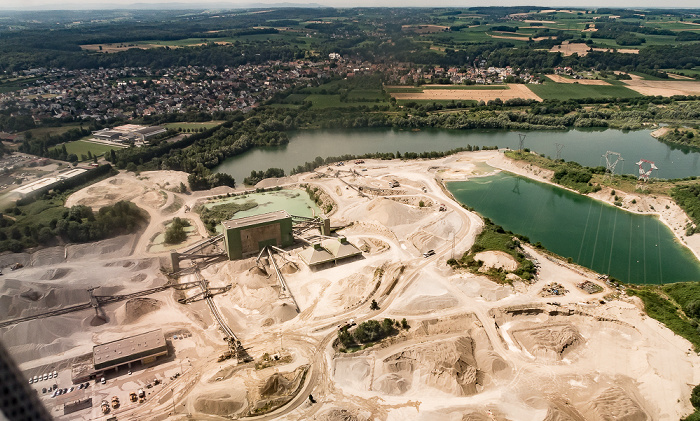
(333, 101)
(41, 132)
(564, 91)
(185, 126)
(81, 147)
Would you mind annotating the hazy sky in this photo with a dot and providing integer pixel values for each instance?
(89, 4)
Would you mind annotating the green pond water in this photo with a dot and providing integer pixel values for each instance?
(585, 146)
(634, 248)
(295, 202)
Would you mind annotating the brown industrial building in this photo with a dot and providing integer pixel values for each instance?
(144, 347)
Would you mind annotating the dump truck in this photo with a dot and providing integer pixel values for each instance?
(115, 402)
(105, 407)
(142, 396)
(132, 397)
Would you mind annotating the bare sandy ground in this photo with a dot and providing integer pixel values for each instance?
(474, 350)
(513, 91)
(665, 88)
(581, 49)
(561, 79)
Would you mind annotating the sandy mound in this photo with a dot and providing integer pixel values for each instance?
(549, 342)
(136, 308)
(31, 295)
(390, 213)
(496, 260)
(282, 312)
(424, 296)
(449, 366)
(53, 274)
(614, 403)
(276, 385)
(219, 403)
(345, 293)
(8, 259)
(289, 267)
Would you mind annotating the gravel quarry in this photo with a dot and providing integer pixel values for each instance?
(473, 349)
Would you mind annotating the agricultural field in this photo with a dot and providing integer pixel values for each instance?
(564, 91)
(468, 93)
(183, 126)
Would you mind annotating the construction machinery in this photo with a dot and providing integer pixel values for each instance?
(132, 397)
(115, 402)
(142, 396)
(105, 407)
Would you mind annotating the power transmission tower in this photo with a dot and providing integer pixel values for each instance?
(560, 147)
(521, 142)
(611, 160)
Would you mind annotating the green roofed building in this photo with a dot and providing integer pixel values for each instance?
(247, 236)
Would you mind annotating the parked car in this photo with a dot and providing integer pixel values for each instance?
(429, 253)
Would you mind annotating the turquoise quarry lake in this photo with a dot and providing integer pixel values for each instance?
(634, 248)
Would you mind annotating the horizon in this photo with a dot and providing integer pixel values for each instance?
(51, 5)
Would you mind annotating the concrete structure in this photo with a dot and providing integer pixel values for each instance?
(340, 248)
(316, 255)
(329, 250)
(144, 347)
(128, 133)
(248, 235)
(47, 183)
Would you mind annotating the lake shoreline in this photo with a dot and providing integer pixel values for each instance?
(674, 218)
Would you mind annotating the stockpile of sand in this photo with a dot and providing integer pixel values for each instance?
(354, 372)
(390, 213)
(283, 311)
(425, 295)
(448, 365)
(479, 286)
(136, 308)
(614, 403)
(551, 341)
(222, 403)
(20, 298)
(345, 293)
(496, 260)
(276, 385)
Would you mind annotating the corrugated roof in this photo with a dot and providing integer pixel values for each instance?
(255, 219)
(128, 346)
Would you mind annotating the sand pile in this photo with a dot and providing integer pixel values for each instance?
(36, 339)
(9, 259)
(281, 312)
(390, 213)
(449, 366)
(425, 295)
(48, 256)
(477, 286)
(53, 274)
(289, 268)
(496, 260)
(20, 298)
(549, 342)
(614, 403)
(136, 308)
(276, 385)
(220, 403)
(345, 293)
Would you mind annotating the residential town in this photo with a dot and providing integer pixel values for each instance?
(124, 93)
